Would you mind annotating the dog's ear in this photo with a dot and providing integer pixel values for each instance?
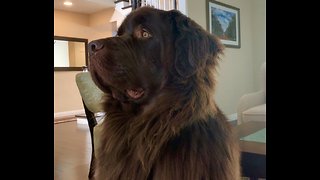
(195, 47)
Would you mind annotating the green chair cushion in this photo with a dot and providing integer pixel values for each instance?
(91, 95)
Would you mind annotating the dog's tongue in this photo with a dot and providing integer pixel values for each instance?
(135, 93)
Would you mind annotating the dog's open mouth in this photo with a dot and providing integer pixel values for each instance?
(135, 93)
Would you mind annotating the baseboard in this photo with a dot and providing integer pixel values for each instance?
(66, 114)
(232, 117)
(82, 119)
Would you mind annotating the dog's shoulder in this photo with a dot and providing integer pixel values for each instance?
(204, 132)
(199, 148)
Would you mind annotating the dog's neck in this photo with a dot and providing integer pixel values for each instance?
(150, 126)
(160, 121)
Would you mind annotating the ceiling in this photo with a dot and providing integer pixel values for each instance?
(84, 6)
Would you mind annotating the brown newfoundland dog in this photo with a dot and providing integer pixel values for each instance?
(162, 122)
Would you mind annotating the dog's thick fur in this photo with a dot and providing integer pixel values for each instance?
(161, 119)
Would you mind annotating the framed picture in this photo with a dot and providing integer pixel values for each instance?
(224, 21)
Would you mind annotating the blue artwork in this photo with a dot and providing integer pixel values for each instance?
(223, 24)
(224, 17)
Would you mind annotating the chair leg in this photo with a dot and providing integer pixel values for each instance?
(92, 122)
(93, 158)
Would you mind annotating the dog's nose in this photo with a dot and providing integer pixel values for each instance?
(95, 46)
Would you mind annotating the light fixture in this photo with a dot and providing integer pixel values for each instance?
(67, 3)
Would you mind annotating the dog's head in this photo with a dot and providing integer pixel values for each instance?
(153, 49)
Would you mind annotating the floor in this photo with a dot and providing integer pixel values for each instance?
(72, 150)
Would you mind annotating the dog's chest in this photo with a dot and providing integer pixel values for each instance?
(119, 154)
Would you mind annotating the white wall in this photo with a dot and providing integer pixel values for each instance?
(259, 39)
(238, 67)
(182, 6)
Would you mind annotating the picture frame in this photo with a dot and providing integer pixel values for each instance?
(223, 20)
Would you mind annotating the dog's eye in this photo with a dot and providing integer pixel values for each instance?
(142, 33)
(145, 34)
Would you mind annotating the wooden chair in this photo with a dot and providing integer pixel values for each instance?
(92, 99)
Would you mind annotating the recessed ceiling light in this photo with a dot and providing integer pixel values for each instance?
(67, 3)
